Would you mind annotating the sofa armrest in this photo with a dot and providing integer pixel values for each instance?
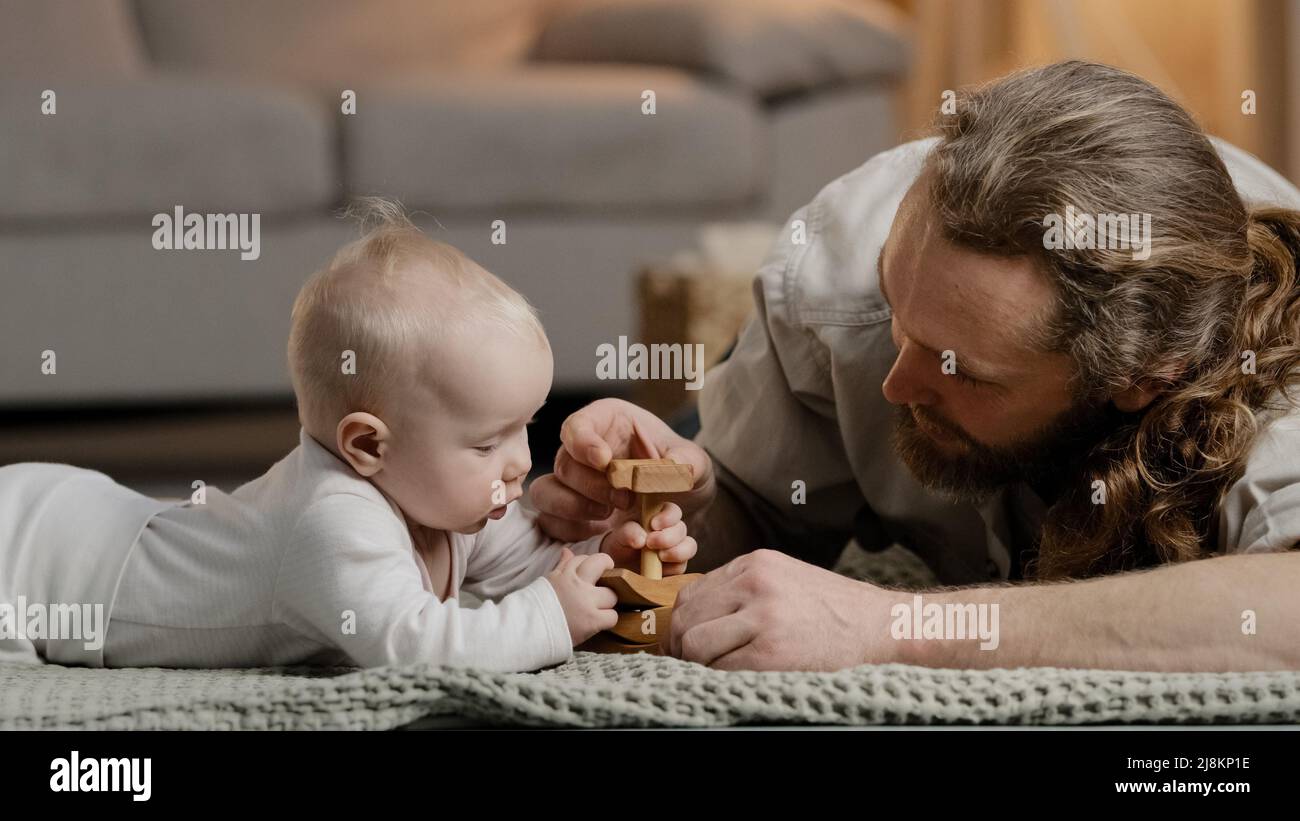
(771, 47)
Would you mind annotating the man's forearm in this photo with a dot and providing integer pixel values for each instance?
(1221, 614)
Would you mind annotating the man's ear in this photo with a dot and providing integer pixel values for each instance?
(363, 441)
(1136, 396)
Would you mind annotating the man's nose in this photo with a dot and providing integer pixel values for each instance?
(909, 380)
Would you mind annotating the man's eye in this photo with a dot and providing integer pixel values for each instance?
(969, 380)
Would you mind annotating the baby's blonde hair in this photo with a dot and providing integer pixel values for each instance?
(362, 303)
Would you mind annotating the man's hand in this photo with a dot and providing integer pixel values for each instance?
(667, 536)
(768, 611)
(576, 501)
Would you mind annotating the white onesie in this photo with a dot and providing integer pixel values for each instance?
(307, 564)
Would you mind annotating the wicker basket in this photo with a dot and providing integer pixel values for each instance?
(688, 308)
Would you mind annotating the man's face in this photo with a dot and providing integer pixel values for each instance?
(978, 406)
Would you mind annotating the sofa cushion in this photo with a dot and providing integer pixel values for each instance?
(554, 136)
(49, 39)
(338, 42)
(771, 47)
(144, 146)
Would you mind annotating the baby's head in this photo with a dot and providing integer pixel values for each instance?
(421, 370)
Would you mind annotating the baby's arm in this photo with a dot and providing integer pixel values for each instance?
(348, 580)
(513, 551)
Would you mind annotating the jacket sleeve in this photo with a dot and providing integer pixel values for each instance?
(1260, 512)
(768, 419)
(349, 579)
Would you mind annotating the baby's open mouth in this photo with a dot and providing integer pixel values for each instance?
(497, 512)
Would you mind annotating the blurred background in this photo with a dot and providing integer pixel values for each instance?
(623, 163)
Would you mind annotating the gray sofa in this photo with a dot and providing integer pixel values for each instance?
(526, 111)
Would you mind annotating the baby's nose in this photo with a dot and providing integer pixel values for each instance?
(517, 475)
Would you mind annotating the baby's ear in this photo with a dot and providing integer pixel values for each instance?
(363, 442)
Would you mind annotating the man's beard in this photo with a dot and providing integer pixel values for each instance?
(1044, 460)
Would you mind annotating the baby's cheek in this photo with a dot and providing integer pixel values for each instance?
(473, 487)
(438, 490)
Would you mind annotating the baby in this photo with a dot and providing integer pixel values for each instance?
(416, 373)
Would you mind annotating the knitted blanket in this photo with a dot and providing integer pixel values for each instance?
(635, 691)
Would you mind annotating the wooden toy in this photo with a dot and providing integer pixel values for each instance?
(653, 481)
(645, 599)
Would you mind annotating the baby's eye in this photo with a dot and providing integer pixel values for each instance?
(485, 449)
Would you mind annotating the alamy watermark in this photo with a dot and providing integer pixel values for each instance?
(77, 774)
(654, 361)
(931, 620)
(40, 621)
(180, 231)
(1078, 231)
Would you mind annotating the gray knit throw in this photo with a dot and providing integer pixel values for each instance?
(636, 691)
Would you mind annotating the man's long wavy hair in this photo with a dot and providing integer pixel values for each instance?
(1218, 290)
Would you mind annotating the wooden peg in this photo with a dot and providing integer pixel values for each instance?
(669, 478)
(619, 471)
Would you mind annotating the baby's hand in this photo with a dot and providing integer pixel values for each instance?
(667, 535)
(587, 608)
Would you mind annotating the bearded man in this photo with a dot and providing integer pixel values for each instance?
(1099, 437)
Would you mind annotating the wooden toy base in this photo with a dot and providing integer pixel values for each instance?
(605, 643)
(638, 596)
(635, 590)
